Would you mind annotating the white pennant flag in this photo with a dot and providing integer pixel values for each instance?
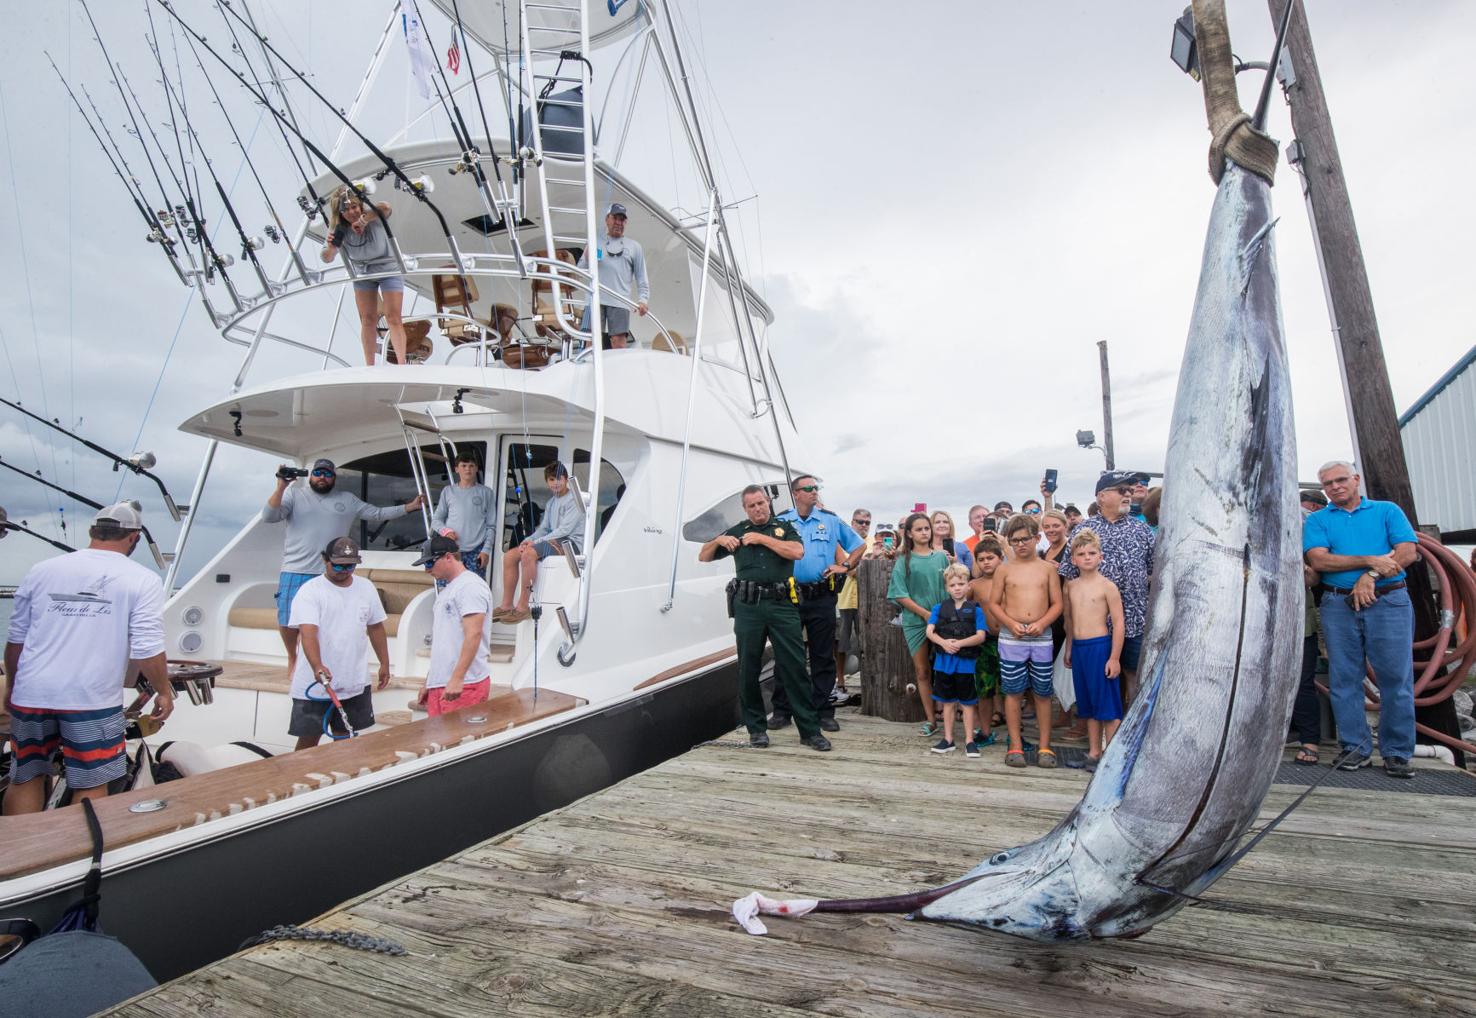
(421, 58)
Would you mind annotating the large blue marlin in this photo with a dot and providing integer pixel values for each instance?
(1185, 777)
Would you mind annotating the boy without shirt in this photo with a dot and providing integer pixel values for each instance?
(1024, 599)
(988, 557)
(1094, 622)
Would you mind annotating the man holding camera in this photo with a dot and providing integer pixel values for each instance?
(314, 516)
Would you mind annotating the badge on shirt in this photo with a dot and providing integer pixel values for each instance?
(778, 531)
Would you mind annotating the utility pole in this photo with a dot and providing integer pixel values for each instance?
(1370, 400)
(1106, 407)
(1374, 422)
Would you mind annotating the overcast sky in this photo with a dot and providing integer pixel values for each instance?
(955, 202)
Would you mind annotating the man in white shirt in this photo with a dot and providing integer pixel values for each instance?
(83, 624)
(339, 617)
(460, 672)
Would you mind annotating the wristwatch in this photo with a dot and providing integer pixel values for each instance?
(1374, 573)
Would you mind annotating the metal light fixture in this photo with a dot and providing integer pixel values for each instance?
(1086, 439)
(143, 461)
(1185, 51)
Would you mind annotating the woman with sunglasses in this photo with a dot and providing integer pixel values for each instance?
(917, 585)
(361, 236)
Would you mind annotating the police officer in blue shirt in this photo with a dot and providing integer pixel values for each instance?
(818, 578)
(1362, 547)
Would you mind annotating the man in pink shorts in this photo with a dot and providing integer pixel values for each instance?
(460, 672)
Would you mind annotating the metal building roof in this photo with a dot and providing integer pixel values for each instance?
(1439, 434)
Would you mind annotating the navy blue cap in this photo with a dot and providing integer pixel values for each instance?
(435, 548)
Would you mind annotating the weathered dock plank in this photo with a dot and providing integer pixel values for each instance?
(617, 904)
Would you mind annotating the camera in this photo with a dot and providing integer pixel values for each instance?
(286, 473)
(991, 525)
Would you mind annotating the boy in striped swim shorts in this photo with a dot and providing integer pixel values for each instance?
(1024, 600)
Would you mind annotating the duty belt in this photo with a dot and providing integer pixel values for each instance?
(749, 592)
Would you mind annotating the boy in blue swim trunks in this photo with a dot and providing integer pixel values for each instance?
(957, 627)
(1094, 623)
(1024, 600)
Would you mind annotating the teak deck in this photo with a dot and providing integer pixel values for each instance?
(1361, 903)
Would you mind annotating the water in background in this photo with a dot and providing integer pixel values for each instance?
(6, 604)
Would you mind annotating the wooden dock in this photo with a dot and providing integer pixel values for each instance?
(1361, 903)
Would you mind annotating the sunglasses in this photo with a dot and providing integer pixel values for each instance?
(1032, 512)
(1124, 489)
(860, 523)
(808, 488)
(324, 473)
(344, 567)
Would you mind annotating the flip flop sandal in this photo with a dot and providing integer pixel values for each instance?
(1045, 758)
(1090, 764)
(997, 721)
(1306, 757)
(1015, 758)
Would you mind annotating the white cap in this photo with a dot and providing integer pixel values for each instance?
(123, 515)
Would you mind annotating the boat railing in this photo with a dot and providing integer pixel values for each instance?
(242, 329)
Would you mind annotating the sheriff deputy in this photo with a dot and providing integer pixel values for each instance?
(819, 577)
(763, 602)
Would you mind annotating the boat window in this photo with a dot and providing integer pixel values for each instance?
(526, 490)
(612, 486)
(712, 522)
(386, 479)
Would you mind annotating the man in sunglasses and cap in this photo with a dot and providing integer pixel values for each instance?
(340, 617)
(84, 624)
(622, 266)
(1127, 560)
(460, 672)
(831, 549)
(314, 516)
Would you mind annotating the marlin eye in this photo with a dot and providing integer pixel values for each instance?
(999, 858)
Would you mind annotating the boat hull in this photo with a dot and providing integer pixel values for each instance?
(180, 911)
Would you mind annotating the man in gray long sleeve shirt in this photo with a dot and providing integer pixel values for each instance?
(622, 264)
(314, 516)
(563, 520)
(467, 515)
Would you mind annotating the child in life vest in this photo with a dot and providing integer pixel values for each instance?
(957, 627)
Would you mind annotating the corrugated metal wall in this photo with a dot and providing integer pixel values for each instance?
(1440, 446)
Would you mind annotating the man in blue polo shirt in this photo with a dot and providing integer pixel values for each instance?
(818, 577)
(1361, 548)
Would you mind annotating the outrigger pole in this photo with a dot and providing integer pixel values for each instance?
(157, 233)
(6, 526)
(307, 142)
(134, 464)
(148, 538)
(419, 191)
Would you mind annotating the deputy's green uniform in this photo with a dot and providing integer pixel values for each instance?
(775, 619)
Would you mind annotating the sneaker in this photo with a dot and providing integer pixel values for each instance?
(971, 750)
(1398, 767)
(839, 696)
(818, 743)
(1355, 760)
(759, 740)
(777, 720)
(928, 730)
(944, 746)
(829, 725)
(981, 740)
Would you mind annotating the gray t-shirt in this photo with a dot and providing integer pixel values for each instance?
(313, 520)
(622, 265)
(370, 250)
(469, 512)
(563, 520)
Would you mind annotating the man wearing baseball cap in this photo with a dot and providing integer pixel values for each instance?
(460, 672)
(339, 617)
(622, 266)
(314, 515)
(1127, 560)
(84, 623)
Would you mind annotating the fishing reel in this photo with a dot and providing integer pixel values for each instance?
(272, 234)
(165, 217)
(418, 185)
(468, 162)
(251, 244)
(309, 208)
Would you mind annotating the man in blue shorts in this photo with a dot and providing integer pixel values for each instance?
(1362, 547)
(314, 516)
(83, 624)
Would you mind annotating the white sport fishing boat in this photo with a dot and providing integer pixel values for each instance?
(632, 660)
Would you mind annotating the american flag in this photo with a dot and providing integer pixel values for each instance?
(453, 58)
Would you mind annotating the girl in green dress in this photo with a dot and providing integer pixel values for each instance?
(916, 586)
